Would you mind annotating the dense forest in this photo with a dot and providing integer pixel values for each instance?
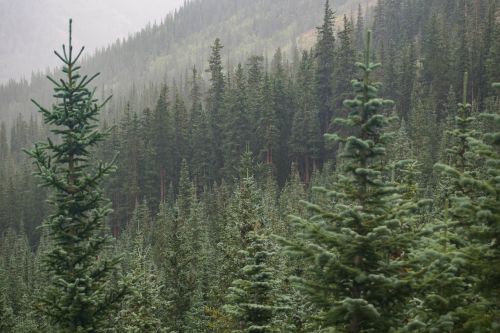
(348, 180)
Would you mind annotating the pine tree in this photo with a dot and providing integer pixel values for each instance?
(444, 276)
(162, 135)
(355, 250)
(142, 308)
(255, 100)
(283, 109)
(267, 130)
(476, 207)
(344, 69)
(360, 29)
(237, 124)
(325, 51)
(407, 79)
(252, 302)
(423, 128)
(215, 103)
(6, 313)
(181, 132)
(436, 58)
(179, 247)
(200, 133)
(305, 141)
(80, 296)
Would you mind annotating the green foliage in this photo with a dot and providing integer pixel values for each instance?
(252, 302)
(79, 296)
(386, 242)
(142, 309)
(325, 49)
(355, 248)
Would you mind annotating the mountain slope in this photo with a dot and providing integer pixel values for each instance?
(165, 51)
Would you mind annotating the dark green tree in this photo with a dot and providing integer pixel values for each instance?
(345, 69)
(354, 250)
(305, 140)
(252, 302)
(443, 287)
(325, 57)
(80, 294)
(215, 104)
(200, 133)
(162, 136)
(237, 124)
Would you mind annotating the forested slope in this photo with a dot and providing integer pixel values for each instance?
(308, 191)
(165, 51)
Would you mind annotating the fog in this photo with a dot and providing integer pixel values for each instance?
(31, 29)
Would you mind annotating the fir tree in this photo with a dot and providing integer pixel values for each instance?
(305, 141)
(355, 250)
(80, 296)
(143, 308)
(215, 104)
(267, 129)
(237, 123)
(325, 51)
(252, 302)
(162, 134)
(6, 313)
(200, 133)
(360, 29)
(443, 278)
(345, 68)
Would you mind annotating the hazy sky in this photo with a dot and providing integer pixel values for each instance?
(31, 29)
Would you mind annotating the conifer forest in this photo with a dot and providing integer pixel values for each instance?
(261, 166)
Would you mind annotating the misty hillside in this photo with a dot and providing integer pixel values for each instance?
(265, 166)
(164, 52)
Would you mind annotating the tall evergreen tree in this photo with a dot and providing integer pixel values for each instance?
(355, 249)
(80, 295)
(305, 141)
(325, 57)
(200, 133)
(344, 67)
(215, 103)
(252, 302)
(237, 123)
(162, 135)
(444, 290)
(267, 129)
(360, 29)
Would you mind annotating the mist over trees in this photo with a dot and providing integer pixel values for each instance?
(345, 181)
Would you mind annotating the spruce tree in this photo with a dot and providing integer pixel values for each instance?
(360, 29)
(237, 123)
(252, 302)
(345, 68)
(6, 313)
(79, 296)
(267, 128)
(305, 140)
(162, 135)
(479, 209)
(443, 279)
(142, 309)
(325, 51)
(355, 250)
(199, 134)
(215, 103)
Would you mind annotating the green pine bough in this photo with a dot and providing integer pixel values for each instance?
(80, 293)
